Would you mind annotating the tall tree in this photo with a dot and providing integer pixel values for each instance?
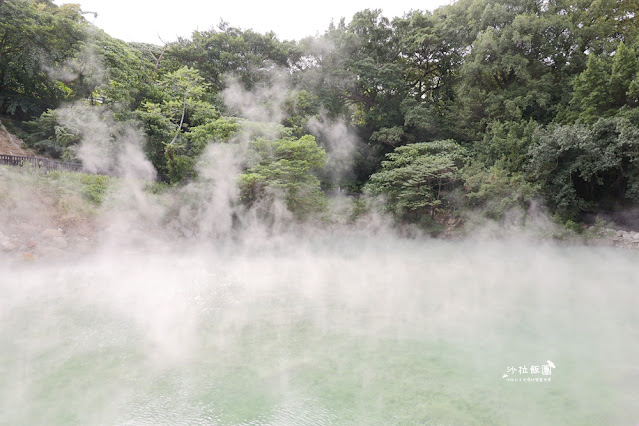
(232, 52)
(36, 36)
(624, 70)
(182, 106)
(591, 96)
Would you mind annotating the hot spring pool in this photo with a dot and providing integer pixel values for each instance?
(331, 330)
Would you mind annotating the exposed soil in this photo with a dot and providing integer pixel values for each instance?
(10, 144)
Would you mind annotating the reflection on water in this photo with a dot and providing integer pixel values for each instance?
(329, 331)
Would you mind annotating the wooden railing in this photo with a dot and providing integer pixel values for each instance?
(48, 165)
(39, 162)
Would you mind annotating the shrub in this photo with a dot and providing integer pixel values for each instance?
(495, 191)
(282, 168)
(585, 167)
(415, 178)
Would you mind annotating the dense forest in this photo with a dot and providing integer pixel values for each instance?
(481, 105)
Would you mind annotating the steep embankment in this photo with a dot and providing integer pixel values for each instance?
(44, 214)
(10, 144)
(31, 216)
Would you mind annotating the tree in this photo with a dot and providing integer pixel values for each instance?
(47, 136)
(36, 36)
(511, 71)
(432, 50)
(182, 107)
(231, 52)
(507, 143)
(415, 177)
(591, 96)
(282, 169)
(585, 167)
(624, 70)
(495, 191)
(355, 71)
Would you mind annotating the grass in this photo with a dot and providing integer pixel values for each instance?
(57, 199)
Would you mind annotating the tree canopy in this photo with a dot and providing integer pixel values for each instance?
(541, 97)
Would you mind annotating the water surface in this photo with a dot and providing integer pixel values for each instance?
(331, 330)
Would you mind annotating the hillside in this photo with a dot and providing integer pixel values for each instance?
(10, 144)
(493, 110)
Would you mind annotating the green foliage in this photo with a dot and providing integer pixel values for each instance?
(572, 227)
(355, 72)
(219, 130)
(299, 107)
(68, 198)
(582, 167)
(495, 191)
(127, 71)
(159, 131)
(180, 122)
(35, 38)
(605, 87)
(491, 74)
(415, 177)
(157, 188)
(282, 168)
(94, 187)
(506, 143)
(46, 136)
(592, 96)
(392, 136)
(624, 70)
(510, 73)
(180, 166)
(231, 52)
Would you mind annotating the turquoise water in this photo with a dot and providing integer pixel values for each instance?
(328, 331)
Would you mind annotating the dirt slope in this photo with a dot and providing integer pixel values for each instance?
(11, 144)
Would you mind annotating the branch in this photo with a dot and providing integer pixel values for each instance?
(181, 120)
(157, 63)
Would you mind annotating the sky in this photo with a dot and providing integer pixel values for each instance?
(154, 22)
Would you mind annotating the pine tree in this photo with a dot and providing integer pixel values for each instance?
(591, 97)
(624, 69)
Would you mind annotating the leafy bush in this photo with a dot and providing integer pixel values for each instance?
(94, 187)
(495, 191)
(281, 168)
(586, 167)
(47, 136)
(414, 178)
(180, 166)
(507, 143)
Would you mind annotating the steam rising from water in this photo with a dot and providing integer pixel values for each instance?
(106, 146)
(341, 144)
(180, 316)
(343, 329)
(264, 103)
